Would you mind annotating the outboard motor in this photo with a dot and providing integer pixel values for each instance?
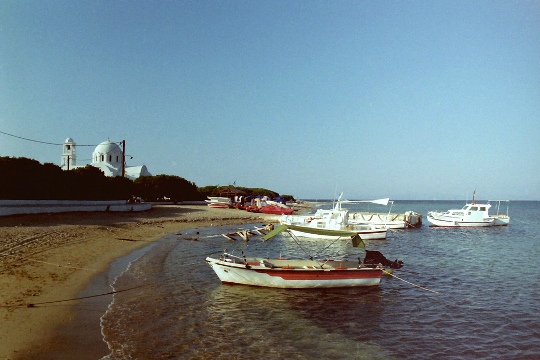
(375, 257)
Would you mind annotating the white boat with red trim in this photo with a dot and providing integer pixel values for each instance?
(293, 273)
(302, 273)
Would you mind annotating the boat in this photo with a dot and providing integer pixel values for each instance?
(333, 224)
(500, 219)
(473, 214)
(407, 220)
(268, 207)
(219, 202)
(302, 273)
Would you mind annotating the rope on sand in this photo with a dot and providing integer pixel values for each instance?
(30, 305)
(410, 283)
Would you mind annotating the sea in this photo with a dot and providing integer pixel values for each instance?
(463, 293)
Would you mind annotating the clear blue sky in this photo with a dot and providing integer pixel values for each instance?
(399, 99)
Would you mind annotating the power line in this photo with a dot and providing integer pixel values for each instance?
(37, 141)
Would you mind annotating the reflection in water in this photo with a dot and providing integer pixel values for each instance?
(298, 323)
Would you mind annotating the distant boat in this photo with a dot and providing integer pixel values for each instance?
(302, 273)
(219, 202)
(471, 215)
(268, 207)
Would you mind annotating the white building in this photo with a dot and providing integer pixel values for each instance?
(107, 157)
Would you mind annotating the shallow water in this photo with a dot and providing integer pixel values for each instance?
(487, 303)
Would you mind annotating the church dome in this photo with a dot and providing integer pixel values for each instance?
(69, 140)
(108, 152)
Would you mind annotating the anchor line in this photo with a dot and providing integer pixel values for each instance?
(410, 283)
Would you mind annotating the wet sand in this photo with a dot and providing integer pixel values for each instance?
(50, 257)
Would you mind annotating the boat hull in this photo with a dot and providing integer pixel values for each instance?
(501, 220)
(294, 274)
(377, 234)
(442, 221)
(218, 205)
(410, 219)
(276, 210)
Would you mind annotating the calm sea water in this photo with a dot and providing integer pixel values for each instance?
(487, 306)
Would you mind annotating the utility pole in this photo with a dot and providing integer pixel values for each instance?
(123, 158)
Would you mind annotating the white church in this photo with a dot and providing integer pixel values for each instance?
(108, 157)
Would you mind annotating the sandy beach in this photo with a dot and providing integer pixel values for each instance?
(50, 257)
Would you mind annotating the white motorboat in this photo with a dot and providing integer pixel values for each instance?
(332, 223)
(471, 215)
(302, 273)
(389, 220)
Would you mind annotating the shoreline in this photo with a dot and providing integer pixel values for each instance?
(51, 257)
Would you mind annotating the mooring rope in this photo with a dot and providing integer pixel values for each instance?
(410, 283)
(77, 298)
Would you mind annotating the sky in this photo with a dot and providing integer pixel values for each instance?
(412, 100)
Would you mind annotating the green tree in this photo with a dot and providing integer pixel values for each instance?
(166, 187)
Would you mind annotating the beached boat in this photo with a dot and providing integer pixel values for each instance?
(219, 202)
(302, 273)
(471, 215)
(332, 223)
(268, 207)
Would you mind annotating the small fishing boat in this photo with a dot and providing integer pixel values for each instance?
(302, 273)
(473, 214)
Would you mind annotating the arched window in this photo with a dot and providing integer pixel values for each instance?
(102, 157)
(110, 158)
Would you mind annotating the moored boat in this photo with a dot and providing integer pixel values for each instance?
(302, 273)
(409, 219)
(473, 214)
(500, 219)
(293, 273)
(330, 224)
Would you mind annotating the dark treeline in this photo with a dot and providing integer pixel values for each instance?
(27, 179)
(216, 190)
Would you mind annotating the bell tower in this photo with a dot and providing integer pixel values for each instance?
(69, 154)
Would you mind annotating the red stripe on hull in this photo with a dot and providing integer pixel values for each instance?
(323, 274)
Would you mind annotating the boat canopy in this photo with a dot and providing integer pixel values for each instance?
(378, 201)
